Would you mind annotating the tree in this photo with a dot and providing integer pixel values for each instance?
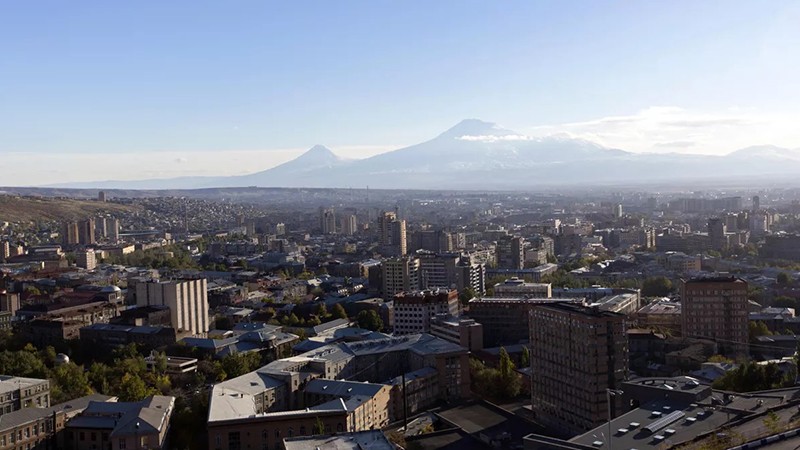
(656, 287)
(132, 389)
(509, 379)
(369, 320)
(525, 359)
(319, 427)
(773, 422)
(784, 278)
(322, 310)
(69, 381)
(339, 312)
(756, 329)
(466, 295)
(160, 363)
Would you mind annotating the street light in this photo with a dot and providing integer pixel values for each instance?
(611, 393)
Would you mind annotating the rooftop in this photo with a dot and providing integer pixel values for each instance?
(364, 440)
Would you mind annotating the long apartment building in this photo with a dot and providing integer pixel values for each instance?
(505, 320)
(19, 392)
(577, 353)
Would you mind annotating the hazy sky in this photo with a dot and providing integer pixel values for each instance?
(119, 90)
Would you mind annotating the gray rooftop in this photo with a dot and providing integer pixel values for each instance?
(364, 440)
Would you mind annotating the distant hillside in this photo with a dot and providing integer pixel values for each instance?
(27, 209)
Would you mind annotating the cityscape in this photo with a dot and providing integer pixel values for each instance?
(362, 225)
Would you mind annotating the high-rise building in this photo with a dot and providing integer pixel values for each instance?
(472, 275)
(327, 220)
(86, 231)
(505, 320)
(437, 271)
(101, 196)
(617, 211)
(187, 301)
(577, 353)
(69, 233)
(717, 233)
(756, 203)
(86, 259)
(414, 311)
(5, 250)
(716, 308)
(392, 234)
(510, 252)
(400, 275)
(349, 225)
(102, 228)
(112, 228)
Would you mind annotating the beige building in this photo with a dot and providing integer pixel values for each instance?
(18, 392)
(400, 275)
(392, 235)
(86, 259)
(577, 352)
(517, 288)
(121, 425)
(716, 308)
(414, 311)
(186, 299)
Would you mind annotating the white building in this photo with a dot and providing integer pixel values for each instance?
(187, 301)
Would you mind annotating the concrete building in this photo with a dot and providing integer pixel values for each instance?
(510, 252)
(19, 392)
(437, 270)
(505, 320)
(121, 425)
(414, 310)
(349, 225)
(327, 220)
(85, 259)
(400, 275)
(362, 440)
(392, 234)
(459, 330)
(69, 233)
(577, 353)
(5, 250)
(517, 288)
(86, 231)
(716, 308)
(663, 314)
(186, 299)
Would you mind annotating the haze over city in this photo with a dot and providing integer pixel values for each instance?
(211, 89)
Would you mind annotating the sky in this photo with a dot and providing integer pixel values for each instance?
(97, 90)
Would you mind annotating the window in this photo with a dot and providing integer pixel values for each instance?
(234, 440)
(81, 436)
(122, 444)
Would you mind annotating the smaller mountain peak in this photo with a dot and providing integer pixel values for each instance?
(319, 153)
(475, 127)
(319, 149)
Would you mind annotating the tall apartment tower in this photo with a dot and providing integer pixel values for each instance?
(349, 225)
(86, 231)
(187, 301)
(101, 196)
(716, 308)
(392, 234)
(577, 353)
(716, 233)
(414, 311)
(400, 275)
(756, 203)
(86, 259)
(69, 233)
(112, 228)
(327, 220)
(5, 250)
(510, 252)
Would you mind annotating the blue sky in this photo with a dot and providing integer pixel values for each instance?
(267, 79)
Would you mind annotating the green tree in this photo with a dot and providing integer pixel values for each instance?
(319, 427)
(69, 381)
(525, 359)
(99, 375)
(773, 422)
(322, 310)
(160, 363)
(339, 312)
(466, 295)
(656, 287)
(784, 278)
(369, 320)
(756, 329)
(132, 389)
(509, 379)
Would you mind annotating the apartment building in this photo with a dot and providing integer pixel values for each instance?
(577, 353)
(186, 299)
(19, 392)
(414, 311)
(716, 308)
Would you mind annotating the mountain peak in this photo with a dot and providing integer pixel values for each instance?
(319, 153)
(475, 127)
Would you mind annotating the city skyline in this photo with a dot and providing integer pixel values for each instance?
(165, 90)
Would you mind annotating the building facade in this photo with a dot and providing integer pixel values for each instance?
(186, 299)
(577, 353)
(716, 308)
(414, 311)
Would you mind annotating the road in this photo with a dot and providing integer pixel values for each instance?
(791, 444)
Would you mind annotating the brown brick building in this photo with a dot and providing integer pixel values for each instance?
(577, 353)
(716, 308)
